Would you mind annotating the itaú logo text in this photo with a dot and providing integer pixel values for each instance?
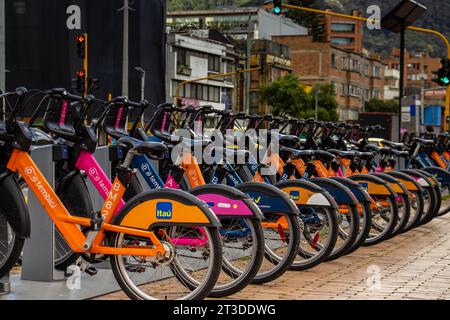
(93, 173)
(31, 173)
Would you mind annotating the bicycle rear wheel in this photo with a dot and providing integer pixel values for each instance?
(243, 253)
(281, 237)
(316, 243)
(384, 219)
(169, 277)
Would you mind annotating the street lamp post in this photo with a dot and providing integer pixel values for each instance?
(143, 73)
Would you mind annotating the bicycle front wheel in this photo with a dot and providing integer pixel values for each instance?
(170, 277)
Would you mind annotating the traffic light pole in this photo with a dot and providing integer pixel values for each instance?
(401, 91)
(411, 28)
(86, 65)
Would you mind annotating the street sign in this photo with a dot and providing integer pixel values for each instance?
(406, 117)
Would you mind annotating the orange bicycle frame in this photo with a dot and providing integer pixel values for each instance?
(68, 225)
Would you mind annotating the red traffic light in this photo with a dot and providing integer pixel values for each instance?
(81, 38)
(81, 73)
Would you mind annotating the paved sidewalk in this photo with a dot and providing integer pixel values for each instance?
(415, 265)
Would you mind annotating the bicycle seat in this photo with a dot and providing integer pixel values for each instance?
(324, 155)
(155, 150)
(232, 153)
(342, 154)
(394, 145)
(296, 154)
(41, 138)
(372, 147)
(424, 142)
(399, 153)
(365, 155)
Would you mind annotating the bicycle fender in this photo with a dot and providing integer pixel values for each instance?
(13, 206)
(226, 201)
(398, 187)
(268, 198)
(440, 174)
(407, 181)
(160, 206)
(359, 192)
(422, 178)
(374, 185)
(340, 193)
(307, 194)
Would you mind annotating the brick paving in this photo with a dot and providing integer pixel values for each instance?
(411, 266)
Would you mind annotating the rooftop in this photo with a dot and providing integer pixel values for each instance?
(215, 12)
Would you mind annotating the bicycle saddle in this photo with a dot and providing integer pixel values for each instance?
(343, 154)
(296, 154)
(394, 145)
(399, 153)
(324, 155)
(372, 147)
(155, 150)
(424, 142)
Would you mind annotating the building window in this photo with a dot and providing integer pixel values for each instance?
(254, 99)
(341, 41)
(375, 94)
(214, 94)
(342, 89)
(181, 56)
(333, 60)
(355, 65)
(343, 27)
(214, 63)
(377, 72)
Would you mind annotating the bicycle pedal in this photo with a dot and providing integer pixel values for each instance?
(92, 271)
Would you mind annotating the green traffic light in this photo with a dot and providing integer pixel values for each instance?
(445, 80)
(277, 10)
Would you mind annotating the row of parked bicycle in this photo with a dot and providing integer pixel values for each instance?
(207, 229)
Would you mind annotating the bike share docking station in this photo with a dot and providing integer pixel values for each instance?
(39, 279)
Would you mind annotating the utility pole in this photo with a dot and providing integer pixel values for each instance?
(2, 46)
(247, 66)
(316, 98)
(126, 36)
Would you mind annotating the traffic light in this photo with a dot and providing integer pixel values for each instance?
(443, 74)
(81, 46)
(79, 83)
(277, 9)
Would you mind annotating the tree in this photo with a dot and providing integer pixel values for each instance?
(287, 96)
(377, 105)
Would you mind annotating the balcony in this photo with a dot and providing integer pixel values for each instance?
(184, 70)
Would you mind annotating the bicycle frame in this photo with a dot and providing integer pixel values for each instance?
(68, 225)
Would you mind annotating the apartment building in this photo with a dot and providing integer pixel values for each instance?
(419, 67)
(239, 23)
(357, 77)
(196, 55)
(344, 33)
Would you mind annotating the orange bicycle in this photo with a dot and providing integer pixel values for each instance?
(145, 260)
